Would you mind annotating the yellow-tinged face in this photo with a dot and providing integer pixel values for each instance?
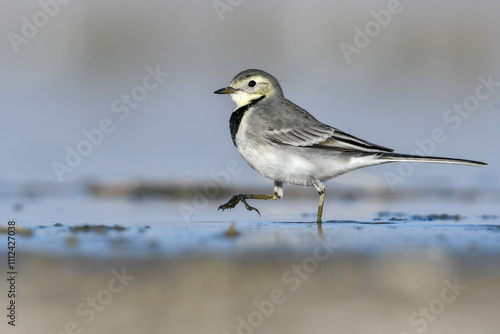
(246, 88)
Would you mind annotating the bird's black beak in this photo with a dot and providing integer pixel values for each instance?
(226, 90)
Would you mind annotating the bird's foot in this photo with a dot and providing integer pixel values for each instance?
(235, 200)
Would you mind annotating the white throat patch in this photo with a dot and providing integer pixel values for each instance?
(242, 98)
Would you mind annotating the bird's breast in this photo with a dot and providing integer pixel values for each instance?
(235, 121)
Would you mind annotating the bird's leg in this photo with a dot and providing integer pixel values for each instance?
(278, 193)
(320, 187)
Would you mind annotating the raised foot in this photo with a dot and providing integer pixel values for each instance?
(234, 201)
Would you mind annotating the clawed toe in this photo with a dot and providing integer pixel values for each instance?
(234, 201)
(249, 208)
(231, 203)
(224, 207)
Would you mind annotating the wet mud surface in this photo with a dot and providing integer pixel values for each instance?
(89, 265)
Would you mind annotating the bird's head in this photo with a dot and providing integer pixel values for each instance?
(250, 86)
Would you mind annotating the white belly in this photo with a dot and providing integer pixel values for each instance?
(294, 165)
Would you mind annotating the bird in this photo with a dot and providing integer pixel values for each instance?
(286, 144)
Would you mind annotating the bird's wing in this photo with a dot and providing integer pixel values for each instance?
(328, 139)
(301, 129)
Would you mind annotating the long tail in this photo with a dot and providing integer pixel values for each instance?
(394, 157)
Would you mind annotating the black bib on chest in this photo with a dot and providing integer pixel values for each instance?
(237, 115)
(235, 120)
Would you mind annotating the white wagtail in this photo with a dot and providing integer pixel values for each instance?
(285, 143)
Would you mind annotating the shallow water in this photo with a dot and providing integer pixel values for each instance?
(374, 256)
(82, 224)
(468, 236)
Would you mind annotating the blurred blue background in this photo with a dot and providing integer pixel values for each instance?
(67, 76)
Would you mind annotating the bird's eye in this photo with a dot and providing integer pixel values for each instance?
(251, 83)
